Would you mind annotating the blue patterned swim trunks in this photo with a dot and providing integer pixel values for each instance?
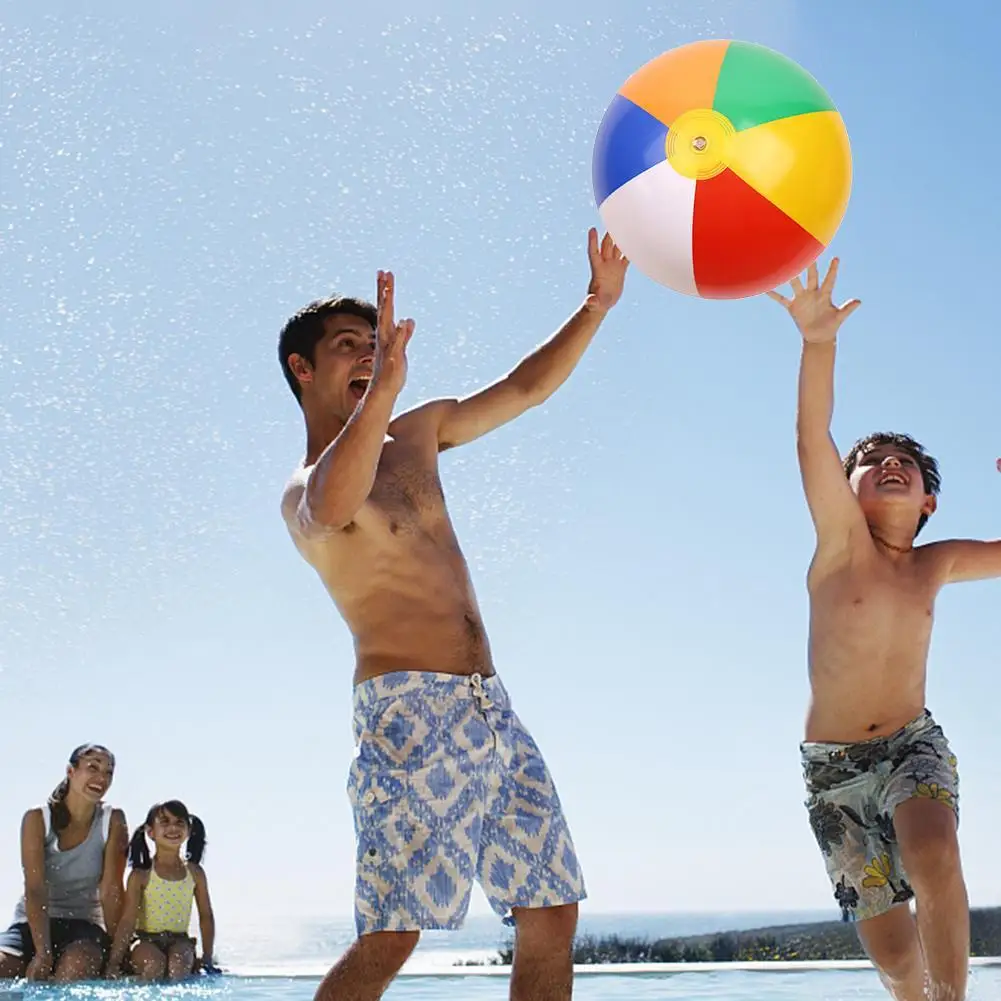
(447, 786)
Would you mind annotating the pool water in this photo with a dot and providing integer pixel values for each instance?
(811, 985)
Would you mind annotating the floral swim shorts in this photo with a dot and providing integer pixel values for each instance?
(853, 792)
(447, 787)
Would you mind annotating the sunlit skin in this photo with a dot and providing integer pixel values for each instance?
(367, 506)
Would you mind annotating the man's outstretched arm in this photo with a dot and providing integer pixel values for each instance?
(537, 376)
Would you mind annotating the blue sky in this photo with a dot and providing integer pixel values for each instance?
(172, 187)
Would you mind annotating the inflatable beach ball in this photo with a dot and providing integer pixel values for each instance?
(721, 169)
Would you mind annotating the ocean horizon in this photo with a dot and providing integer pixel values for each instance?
(307, 946)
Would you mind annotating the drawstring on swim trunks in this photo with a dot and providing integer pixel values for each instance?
(476, 682)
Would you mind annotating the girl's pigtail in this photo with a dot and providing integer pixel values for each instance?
(139, 857)
(196, 840)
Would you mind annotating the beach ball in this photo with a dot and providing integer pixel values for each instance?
(721, 169)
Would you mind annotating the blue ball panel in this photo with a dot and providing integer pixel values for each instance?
(629, 141)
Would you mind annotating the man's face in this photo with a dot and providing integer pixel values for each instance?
(342, 365)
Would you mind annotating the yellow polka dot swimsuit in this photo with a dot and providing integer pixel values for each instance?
(166, 905)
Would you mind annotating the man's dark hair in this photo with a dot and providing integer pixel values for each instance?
(930, 477)
(304, 331)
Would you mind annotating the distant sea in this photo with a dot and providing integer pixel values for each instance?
(307, 947)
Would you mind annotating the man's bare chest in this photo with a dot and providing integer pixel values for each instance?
(407, 489)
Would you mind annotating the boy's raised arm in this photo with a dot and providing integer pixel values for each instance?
(832, 504)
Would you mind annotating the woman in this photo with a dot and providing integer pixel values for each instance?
(73, 856)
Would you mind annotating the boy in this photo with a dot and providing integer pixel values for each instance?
(882, 783)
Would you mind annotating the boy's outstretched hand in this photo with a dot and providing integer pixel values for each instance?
(812, 307)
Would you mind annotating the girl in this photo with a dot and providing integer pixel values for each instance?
(158, 898)
(73, 856)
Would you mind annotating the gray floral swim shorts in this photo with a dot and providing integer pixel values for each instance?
(853, 792)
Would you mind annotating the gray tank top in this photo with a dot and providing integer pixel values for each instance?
(74, 876)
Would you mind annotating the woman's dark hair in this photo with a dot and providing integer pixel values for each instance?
(57, 801)
(139, 856)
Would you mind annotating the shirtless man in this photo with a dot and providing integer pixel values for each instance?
(882, 784)
(447, 785)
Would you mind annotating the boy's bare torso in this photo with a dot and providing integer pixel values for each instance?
(396, 573)
(870, 629)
